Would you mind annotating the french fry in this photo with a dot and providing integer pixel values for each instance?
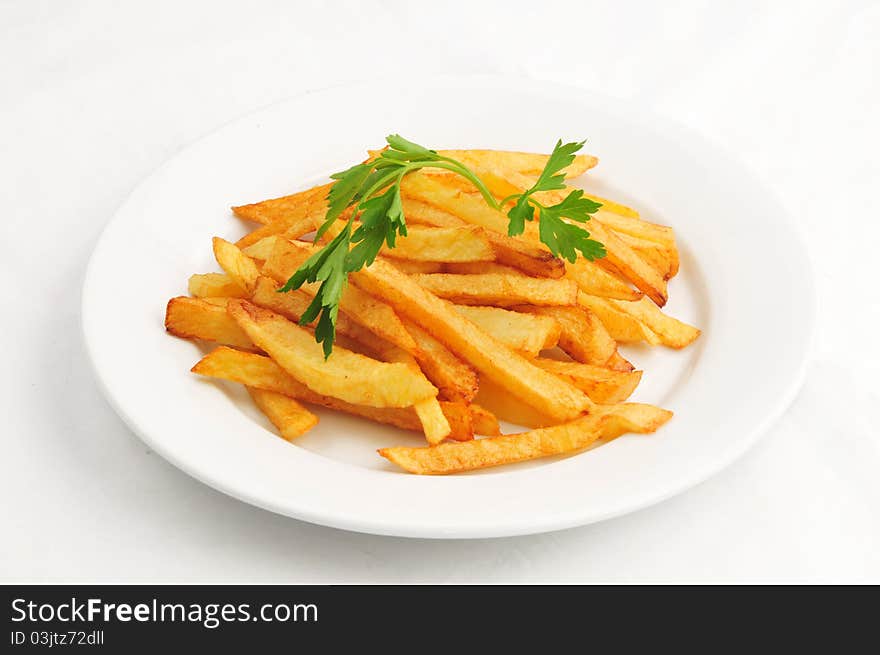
(292, 228)
(503, 162)
(236, 264)
(442, 244)
(556, 440)
(214, 285)
(528, 334)
(455, 380)
(292, 419)
(623, 223)
(613, 207)
(663, 259)
(260, 250)
(482, 351)
(595, 280)
(622, 326)
(602, 385)
(506, 407)
(476, 268)
(670, 331)
(287, 208)
(363, 308)
(261, 372)
(194, 318)
(530, 258)
(484, 421)
(434, 423)
(346, 375)
(583, 336)
(498, 289)
(412, 266)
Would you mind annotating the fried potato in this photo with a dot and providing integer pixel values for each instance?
(502, 162)
(262, 249)
(530, 258)
(434, 423)
(498, 289)
(412, 266)
(484, 421)
(623, 327)
(624, 223)
(236, 264)
(478, 268)
(506, 407)
(559, 439)
(214, 285)
(194, 318)
(602, 385)
(611, 206)
(293, 228)
(261, 372)
(346, 375)
(361, 307)
(526, 333)
(670, 331)
(583, 336)
(663, 259)
(455, 380)
(287, 208)
(482, 351)
(442, 244)
(292, 419)
(593, 279)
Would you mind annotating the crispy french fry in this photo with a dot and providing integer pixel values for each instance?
(670, 331)
(467, 243)
(195, 318)
(593, 279)
(236, 264)
(528, 334)
(214, 285)
(602, 385)
(484, 421)
(363, 308)
(346, 375)
(292, 419)
(434, 423)
(498, 289)
(613, 207)
(262, 249)
(663, 259)
(412, 266)
(456, 380)
(503, 162)
(476, 268)
(530, 258)
(261, 372)
(507, 407)
(291, 229)
(623, 327)
(287, 208)
(485, 353)
(583, 336)
(559, 439)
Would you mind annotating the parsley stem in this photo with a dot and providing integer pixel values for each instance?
(464, 171)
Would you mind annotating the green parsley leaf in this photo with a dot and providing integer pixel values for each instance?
(565, 239)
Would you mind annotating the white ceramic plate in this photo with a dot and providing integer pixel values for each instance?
(745, 280)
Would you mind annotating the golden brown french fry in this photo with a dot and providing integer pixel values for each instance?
(434, 423)
(411, 266)
(613, 207)
(361, 307)
(287, 208)
(623, 223)
(528, 334)
(292, 228)
(623, 327)
(583, 336)
(670, 331)
(195, 318)
(345, 374)
(530, 258)
(559, 439)
(498, 289)
(236, 264)
(214, 285)
(484, 421)
(476, 268)
(507, 407)
(261, 372)
(593, 279)
(602, 385)
(467, 243)
(456, 380)
(502, 162)
(485, 353)
(260, 250)
(292, 419)
(663, 259)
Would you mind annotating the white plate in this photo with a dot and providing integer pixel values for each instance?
(745, 280)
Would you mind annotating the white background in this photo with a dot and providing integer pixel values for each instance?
(94, 95)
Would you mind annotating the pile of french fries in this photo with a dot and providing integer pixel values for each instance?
(458, 326)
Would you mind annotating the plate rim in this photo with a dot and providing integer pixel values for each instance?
(534, 525)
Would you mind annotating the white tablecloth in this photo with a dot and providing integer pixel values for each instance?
(94, 95)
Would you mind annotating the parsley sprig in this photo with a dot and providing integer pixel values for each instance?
(372, 191)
